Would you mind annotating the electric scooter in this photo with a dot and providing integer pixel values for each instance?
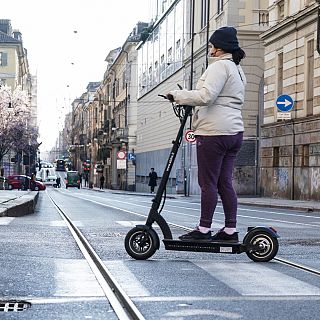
(141, 242)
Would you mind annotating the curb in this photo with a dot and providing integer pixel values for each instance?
(20, 206)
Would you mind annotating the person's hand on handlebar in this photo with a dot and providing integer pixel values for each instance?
(170, 97)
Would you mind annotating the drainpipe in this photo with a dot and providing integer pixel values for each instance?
(208, 31)
(187, 178)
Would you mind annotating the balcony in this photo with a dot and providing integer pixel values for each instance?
(120, 134)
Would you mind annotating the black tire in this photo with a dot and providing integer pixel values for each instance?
(36, 188)
(10, 187)
(140, 243)
(268, 242)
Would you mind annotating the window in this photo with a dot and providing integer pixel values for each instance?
(310, 76)
(164, 6)
(3, 59)
(276, 156)
(281, 10)
(169, 55)
(124, 80)
(280, 74)
(305, 156)
(220, 6)
(204, 11)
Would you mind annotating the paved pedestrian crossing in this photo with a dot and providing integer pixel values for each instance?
(252, 279)
(246, 278)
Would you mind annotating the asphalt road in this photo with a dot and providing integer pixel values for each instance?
(41, 263)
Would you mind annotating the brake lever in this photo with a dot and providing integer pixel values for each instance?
(162, 96)
(179, 86)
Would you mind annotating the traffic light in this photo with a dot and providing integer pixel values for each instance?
(87, 165)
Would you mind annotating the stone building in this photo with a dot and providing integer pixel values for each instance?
(15, 73)
(290, 149)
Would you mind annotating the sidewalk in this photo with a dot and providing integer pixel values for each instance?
(307, 206)
(17, 203)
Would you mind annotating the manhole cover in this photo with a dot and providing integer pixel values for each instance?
(15, 306)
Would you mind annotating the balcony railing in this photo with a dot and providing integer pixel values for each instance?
(120, 133)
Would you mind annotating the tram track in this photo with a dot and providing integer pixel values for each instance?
(122, 305)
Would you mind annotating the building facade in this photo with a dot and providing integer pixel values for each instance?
(290, 149)
(175, 52)
(15, 73)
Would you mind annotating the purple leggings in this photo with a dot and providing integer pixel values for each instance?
(216, 156)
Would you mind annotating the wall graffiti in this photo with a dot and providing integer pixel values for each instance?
(315, 180)
(242, 176)
(303, 180)
(283, 179)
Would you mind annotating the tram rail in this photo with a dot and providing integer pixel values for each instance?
(118, 299)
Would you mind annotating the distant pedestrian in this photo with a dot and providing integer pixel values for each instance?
(47, 172)
(86, 179)
(152, 180)
(80, 177)
(101, 181)
(58, 182)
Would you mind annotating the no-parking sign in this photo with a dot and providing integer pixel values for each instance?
(121, 155)
(190, 136)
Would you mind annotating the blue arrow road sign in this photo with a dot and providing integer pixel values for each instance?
(284, 103)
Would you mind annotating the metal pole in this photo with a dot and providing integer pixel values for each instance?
(293, 160)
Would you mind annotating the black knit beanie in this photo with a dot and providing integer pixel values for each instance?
(225, 38)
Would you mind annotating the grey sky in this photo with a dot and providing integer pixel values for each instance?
(64, 60)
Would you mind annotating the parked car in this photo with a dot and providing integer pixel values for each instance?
(73, 179)
(3, 183)
(23, 182)
(51, 180)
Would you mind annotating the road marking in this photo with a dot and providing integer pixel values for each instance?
(61, 223)
(127, 279)
(74, 278)
(202, 312)
(130, 223)
(5, 220)
(187, 299)
(285, 223)
(252, 279)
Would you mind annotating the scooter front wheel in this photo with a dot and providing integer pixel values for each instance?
(268, 246)
(141, 243)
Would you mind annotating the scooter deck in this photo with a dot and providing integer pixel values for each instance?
(204, 246)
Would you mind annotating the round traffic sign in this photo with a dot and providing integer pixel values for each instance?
(284, 103)
(189, 136)
(121, 155)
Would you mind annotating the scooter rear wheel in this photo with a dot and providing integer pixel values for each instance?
(141, 243)
(268, 243)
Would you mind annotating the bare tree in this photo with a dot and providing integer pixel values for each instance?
(14, 113)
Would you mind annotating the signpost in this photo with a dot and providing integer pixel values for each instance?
(121, 159)
(285, 105)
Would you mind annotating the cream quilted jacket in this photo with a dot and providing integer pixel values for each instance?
(218, 98)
